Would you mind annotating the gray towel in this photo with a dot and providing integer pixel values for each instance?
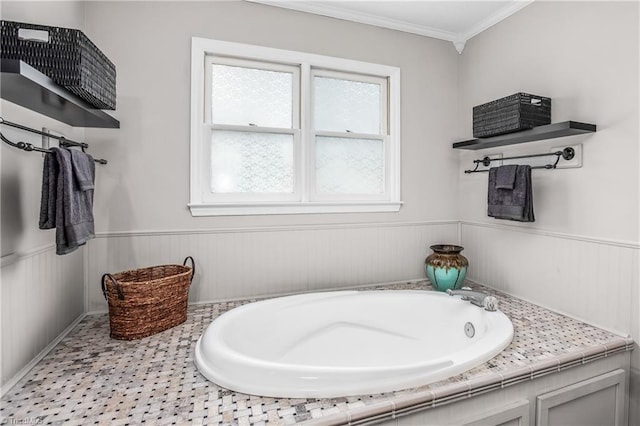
(512, 204)
(50, 173)
(84, 169)
(506, 176)
(72, 211)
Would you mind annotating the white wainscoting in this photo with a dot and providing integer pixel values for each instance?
(42, 295)
(591, 279)
(253, 262)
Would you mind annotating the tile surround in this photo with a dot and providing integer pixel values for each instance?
(92, 379)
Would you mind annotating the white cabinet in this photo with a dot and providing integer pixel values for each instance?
(516, 414)
(597, 401)
(593, 393)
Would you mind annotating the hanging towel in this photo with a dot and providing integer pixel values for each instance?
(50, 173)
(72, 211)
(512, 204)
(84, 169)
(506, 176)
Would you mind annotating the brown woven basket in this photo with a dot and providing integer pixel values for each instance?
(147, 301)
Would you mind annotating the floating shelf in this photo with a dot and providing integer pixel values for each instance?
(550, 131)
(25, 86)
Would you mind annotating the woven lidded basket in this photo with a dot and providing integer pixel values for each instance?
(66, 56)
(147, 301)
(520, 111)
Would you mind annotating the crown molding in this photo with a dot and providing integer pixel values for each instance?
(494, 18)
(325, 8)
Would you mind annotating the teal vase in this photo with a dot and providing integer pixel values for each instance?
(446, 268)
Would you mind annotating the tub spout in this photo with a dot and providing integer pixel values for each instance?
(477, 298)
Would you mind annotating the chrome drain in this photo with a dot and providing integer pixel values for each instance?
(469, 330)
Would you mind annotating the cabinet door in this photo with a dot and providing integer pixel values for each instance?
(597, 401)
(516, 414)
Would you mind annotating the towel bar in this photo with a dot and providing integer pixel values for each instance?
(25, 146)
(567, 154)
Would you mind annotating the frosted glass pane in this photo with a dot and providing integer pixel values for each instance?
(349, 166)
(341, 105)
(241, 96)
(251, 162)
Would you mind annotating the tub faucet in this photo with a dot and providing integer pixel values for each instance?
(477, 298)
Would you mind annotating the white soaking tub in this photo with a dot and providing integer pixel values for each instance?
(343, 343)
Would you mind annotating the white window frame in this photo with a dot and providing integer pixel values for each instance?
(383, 136)
(304, 199)
(209, 127)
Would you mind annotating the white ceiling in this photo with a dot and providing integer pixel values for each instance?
(451, 20)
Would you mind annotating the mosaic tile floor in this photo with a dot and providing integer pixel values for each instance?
(91, 379)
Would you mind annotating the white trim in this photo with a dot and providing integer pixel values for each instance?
(313, 133)
(503, 13)
(17, 256)
(457, 38)
(306, 122)
(253, 129)
(238, 209)
(325, 9)
(197, 115)
(348, 135)
(587, 239)
(6, 387)
(274, 228)
(85, 275)
(200, 46)
(204, 51)
(210, 127)
(359, 225)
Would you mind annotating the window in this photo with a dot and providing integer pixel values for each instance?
(278, 132)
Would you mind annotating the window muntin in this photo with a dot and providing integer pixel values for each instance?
(300, 163)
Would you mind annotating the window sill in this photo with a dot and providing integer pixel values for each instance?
(239, 209)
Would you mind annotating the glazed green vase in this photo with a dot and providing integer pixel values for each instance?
(446, 268)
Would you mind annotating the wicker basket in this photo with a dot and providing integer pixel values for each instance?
(520, 111)
(147, 301)
(68, 57)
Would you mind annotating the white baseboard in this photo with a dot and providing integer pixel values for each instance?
(23, 372)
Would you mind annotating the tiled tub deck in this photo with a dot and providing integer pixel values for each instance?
(91, 379)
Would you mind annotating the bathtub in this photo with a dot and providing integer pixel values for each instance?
(343, 343)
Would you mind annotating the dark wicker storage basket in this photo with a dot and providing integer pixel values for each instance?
(147, 301)
(513, 113)
(68, 57)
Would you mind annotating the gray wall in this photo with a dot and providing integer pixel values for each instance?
(581, 255)
(143, 193)
(150, 153)
(41, 294)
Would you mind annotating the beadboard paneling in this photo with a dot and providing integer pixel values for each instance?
(241, 263)
(594, 280)
(41, 295)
